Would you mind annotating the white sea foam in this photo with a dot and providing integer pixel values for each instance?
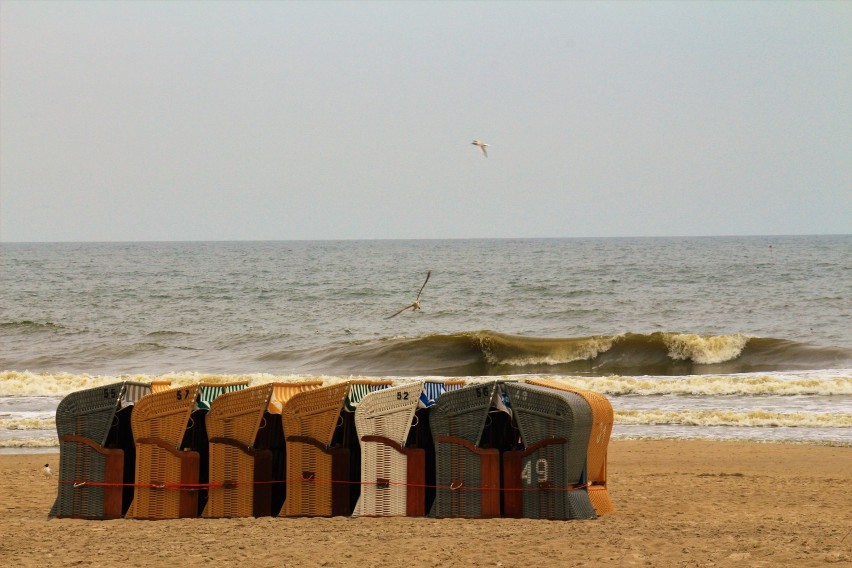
(754, 418)
(825, 382)
(838, 382)
(705, 349)
(28, 424)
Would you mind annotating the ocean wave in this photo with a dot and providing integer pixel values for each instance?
(30, 325)
(489, 353)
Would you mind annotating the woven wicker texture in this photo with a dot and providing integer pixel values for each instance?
(309, 420)
(385, 414)
(84, 420)
(284, 391)
(464, 473)
(232, 425)
(89, 413)
(159, 422)
(555, 428)
(602, 420)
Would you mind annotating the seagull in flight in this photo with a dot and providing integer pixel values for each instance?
(416, 305)
(482, 145)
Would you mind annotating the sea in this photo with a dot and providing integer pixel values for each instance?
(722, 338)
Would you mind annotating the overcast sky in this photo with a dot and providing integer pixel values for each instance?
(136, 121)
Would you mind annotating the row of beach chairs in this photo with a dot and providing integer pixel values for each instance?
(532, 449)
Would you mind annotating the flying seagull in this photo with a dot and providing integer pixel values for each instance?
(416, 305)
(482, 145)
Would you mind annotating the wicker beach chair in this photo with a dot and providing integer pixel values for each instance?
(195, 437)
(310, 419)
(239, 473)
(393, 476)
(89, 425)
(346, 435)
(602, 420)
(467, 476)
(159, 423)
(546, 479)
(270, 437)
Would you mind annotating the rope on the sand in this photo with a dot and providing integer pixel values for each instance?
(383, 483)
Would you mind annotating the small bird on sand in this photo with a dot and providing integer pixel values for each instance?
(416, 305)
(47, 471)
(482, 145)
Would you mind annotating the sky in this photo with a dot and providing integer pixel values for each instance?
(198, 121)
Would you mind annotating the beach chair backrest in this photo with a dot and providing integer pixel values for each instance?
(237, 415)
(164, 415)
(89, 413)
(315, 413)
(464, 411)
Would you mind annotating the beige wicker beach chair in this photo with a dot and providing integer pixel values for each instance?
(270, 436)
(393, 476)
(159, 423)
(310, 419)
(602, 420)
(239, 473)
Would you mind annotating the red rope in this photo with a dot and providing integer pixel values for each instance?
(234, 484)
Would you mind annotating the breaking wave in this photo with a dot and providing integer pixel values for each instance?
(488, 353)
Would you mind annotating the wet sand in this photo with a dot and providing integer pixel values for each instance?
(678, 503)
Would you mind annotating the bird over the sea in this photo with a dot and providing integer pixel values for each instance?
(416, 305)
(482, 145)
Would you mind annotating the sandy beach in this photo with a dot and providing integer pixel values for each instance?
(678, 503)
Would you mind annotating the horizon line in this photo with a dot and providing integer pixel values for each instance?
(410, 239)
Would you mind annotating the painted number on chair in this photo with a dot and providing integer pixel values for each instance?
(110, 393)
(483, 392)
(541, 471)
(182, 394)
(402, 395)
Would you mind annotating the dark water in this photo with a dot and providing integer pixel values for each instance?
(720, 338)
(675, 306)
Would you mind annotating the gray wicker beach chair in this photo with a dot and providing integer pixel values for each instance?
(546, 480)
(467, 476)
(91, 450)
(602, 421)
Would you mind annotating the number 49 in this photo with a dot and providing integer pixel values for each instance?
(541, 471)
